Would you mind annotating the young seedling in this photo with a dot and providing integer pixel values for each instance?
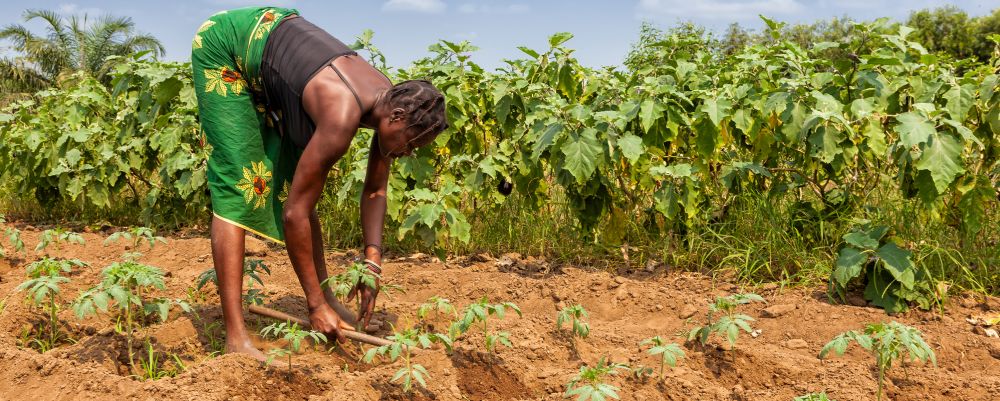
(887, 342)
(152, 368)
(574, 314)
(589, 384)
(293, 336)
(14, 236)
(126, 284)
(58, 236)
(813, 397)
(251, 270)
(730, 323)
(480, 312)
(440, 307)
(42, 287)
(402, 343)
(137, 235)
(668, 354)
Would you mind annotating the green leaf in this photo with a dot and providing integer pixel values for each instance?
(898, 263)
(861, 240)
(717, 109)
(582, 153)
(914, 128)
(559, 38)
(545, 140)
(960, 100)
(649, 112)
(849, 265)
(631, 147)
(942, 158)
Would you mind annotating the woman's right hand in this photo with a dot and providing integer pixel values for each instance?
(325, 320)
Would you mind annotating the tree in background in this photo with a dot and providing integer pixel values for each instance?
(945, 29)
(69, 44)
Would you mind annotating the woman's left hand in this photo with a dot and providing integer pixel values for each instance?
(368, 294)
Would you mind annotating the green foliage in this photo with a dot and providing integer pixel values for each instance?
(730, 323)
(667, 353)
(440, 306)
(356, 274)
(58, 236)
(152, 367)
(70, 44)
(125, 286)
(887, 342)
(892, 279)
(589, 383)
(480, 312)
(402, 343)
(42, 291)
(252, 269)
(293, 335)
(813, 397)
(13, 235)
(136, 235)
(574, 314)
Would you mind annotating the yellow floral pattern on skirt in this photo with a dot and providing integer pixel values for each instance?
(224, 80)
(256, 184)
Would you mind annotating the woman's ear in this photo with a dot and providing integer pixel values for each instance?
(397, 114)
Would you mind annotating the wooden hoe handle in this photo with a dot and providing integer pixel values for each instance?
(351, 334)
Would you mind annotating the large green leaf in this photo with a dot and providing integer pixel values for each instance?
(959, 101)
(717, 109)
(649, 112)
(849, 265)
(631, 147)
(914, 128)
(942, 158)
(582, 153)
(897, 262)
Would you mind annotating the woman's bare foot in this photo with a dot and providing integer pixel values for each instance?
(245, 347)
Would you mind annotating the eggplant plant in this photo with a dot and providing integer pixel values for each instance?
(403, 342)
(43, 292)
(667, 353)
(58, 236)
(480, 312)
(886, 342)
(574, 315)
(293, 336)
(589, 384)
(729, 323)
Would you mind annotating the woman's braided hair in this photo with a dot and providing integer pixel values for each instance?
(423, 104)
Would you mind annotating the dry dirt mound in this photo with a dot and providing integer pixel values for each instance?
(778, 364)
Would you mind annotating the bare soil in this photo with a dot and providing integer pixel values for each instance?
(778, 364)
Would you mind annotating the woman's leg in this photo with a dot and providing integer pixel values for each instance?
(320, 261)
(228, 242)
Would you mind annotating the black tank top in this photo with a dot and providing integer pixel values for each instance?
(295, 52)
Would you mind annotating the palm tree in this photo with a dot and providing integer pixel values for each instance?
(68, 45)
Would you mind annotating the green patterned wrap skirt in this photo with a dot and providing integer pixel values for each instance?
(251, 166)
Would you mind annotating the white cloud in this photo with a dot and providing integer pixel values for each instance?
(421, 6)
(731, 10)
(472, 8)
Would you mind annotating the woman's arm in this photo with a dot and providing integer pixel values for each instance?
(373, 205)
(327, 145)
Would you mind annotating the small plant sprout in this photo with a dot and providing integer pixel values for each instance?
(589, 384)
(574, 315)
(730, 323)
(136, 235)
(813, 397)
(480, 312)
(403, 342)
(440, 306)
(887, 342)
(153, 368)
(58, 236)
(126, 285)
(357, 274)
(13, 236)
(293, 336)
(668, 354)
(42, 287)
(251, 270)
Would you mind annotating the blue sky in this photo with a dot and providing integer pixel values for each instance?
(404, 28)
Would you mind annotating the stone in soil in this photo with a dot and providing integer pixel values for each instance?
(687, 311)
(796, 343)
(778, 310)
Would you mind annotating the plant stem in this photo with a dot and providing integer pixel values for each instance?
(52, 320)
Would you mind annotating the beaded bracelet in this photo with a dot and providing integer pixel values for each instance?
(374, 267)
